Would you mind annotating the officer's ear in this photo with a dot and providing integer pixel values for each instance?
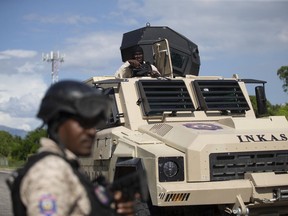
(54, 124)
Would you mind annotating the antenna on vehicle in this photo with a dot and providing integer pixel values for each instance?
(55, 58)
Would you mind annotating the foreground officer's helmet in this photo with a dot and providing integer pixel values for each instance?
(73, 99)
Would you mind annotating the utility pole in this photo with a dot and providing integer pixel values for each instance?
(55, 58)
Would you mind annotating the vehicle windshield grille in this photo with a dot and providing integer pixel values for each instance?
(158, 96)
(228, 166)
(220, 95)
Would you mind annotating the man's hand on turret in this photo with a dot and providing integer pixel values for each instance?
(134, 63)
(155, 74)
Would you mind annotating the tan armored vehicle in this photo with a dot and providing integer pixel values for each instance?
(198, 138)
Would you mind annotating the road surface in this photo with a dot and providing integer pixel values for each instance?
(5, 202)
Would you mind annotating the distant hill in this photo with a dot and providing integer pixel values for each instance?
(14, 131)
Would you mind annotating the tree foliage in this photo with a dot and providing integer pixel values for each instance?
(279, 110)
(270, 108)
(20, 148)
(31, 143)
(283, 75)
(6, 143)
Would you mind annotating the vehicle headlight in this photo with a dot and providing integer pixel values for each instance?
(171, 169)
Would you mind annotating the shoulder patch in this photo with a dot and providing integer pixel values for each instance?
(102, 195)
(47, 205)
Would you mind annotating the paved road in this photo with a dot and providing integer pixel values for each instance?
(5, 203)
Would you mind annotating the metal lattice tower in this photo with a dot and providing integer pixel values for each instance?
(55, 58)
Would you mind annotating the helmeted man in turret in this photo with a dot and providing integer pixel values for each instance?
(137, 67)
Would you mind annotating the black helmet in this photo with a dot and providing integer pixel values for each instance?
(74, 99)
(137, 49)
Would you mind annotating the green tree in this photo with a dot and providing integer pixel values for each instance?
(283, 110)
(16, 148)
(279, 110)
(30, 144)
(270, 109)
(6, 141)
(283, 75)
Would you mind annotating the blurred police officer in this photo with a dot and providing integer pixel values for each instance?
(54, 184)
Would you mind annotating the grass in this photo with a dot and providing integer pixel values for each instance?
(12, 165)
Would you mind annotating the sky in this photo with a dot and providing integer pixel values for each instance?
(248, 38)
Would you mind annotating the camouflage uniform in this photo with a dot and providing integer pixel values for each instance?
(51, 188)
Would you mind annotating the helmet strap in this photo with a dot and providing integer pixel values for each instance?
(52, 130)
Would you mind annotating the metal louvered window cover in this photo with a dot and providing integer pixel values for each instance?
(220, 95)
(158, 96)
(233, 165)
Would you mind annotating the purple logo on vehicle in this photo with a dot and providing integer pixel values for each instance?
(202, 126)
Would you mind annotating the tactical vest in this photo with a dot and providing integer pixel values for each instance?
(99, 204)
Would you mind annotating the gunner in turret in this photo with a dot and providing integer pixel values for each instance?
(137, 67)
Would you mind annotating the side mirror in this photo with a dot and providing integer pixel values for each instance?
(261, 100)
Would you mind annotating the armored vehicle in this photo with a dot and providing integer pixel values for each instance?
(204, 150)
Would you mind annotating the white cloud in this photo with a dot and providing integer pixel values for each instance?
(224, 26)
(61, 19)
(26, 124)
(96, 50)
(20, 96)
(22, 105)
(29, 67)
(17, 53)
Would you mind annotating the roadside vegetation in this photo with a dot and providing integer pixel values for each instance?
(272, 110)
(16, 149)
